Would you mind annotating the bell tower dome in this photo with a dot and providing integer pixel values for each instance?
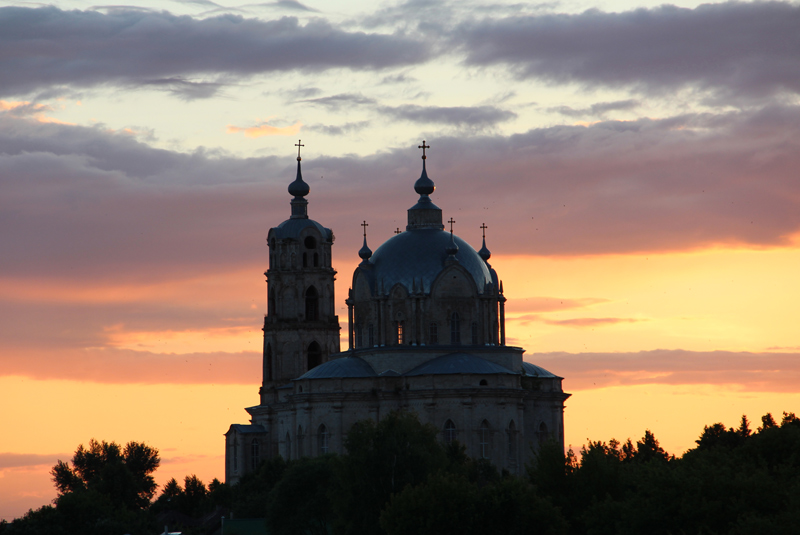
(301, 330)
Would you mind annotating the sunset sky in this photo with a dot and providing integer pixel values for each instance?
(637, 166)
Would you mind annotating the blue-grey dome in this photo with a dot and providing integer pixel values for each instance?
(457, 363)
(535, 371)
(419, 255)
(343, 367)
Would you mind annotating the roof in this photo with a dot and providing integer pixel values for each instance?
(245, 429)
(536, 371)
(343, 367)
(418, 256)
(456, 363)
(291, 228)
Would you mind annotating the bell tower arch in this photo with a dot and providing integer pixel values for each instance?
(301, 329)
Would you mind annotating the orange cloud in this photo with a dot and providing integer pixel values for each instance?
(265, 129)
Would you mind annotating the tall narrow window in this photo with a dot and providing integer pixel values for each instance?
(400, 334)
(271, 303)
(255, 454)
(314, 355)
(359, 335)
(268, 362)
(312, 304)
(455, 329)
(474, 333)
(299, 441)
(483, 436)
(543, 435)
(433, 335)
(371, 335)
(316, 260)
(305, 259)
(512, 444)
(323, 439)
(287, 447)
(449, 431)
(235, 456)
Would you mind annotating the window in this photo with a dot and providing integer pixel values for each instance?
(449, 431)
(316, 260)
(371, 335)
(483, 436)
(543, 435)
(235, 456)
(399, 333)
(314, 355)
(255, 454)
(299, 441)
(312, 304)
(455, 329)
(271, 303)
(512, 444)
(359, 335)
(310, 242)
(483, 382)
(474, 333)
(268, 362)
(434, 334)
(323, 437)
(305, 259)
(287, 447)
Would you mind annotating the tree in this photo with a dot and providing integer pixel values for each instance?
(122, 476)
(300, 502)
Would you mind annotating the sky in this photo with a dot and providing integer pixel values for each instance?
(636, 165)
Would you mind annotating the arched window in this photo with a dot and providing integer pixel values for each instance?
(359, 335)
(300, 441)
(400, 333)
(433, 335)
(271, 303)
(484, 436)
(314, 355)
(512, 444)
(449, 431)
(235, 456)
(312, 304)
(268, 362)
(455, 329)
(483, 382)
(474, 333)
(316, 260)
(323, 437)
(310, 242)
(305, 259)
(287, 447)
(255, 454)
(371, 335)
(543, 435)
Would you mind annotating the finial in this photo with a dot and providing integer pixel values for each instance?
(484, 252)
(452, 249)
(298, 145)
(299, 189)
(423, 147)
(398, 231)
(365, 252)
(424, 185)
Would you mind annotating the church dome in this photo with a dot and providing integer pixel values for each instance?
(415, 258)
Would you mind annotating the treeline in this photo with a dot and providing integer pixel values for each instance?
(398, 478)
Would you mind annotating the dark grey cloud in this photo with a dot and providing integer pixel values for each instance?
(338, 129)
(342, 100)
(748, 50)
(598, 108)
(46, 47)
(185, 89)
(750, 371)
(473, 116)
(22, 460)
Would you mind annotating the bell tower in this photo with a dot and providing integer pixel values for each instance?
(300, 329)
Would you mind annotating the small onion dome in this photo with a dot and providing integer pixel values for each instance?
(484, 252)
(298, 188)
(365, 252)
(424, 185)
(452, 248)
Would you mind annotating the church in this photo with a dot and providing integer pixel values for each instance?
(426, 333)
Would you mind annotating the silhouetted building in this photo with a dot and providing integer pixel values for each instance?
(426, 332)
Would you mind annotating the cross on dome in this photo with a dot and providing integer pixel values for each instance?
(484, 227)
(298, 145)
(451, 224)
(365, 225)
(423, 147)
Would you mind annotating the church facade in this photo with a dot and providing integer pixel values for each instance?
(426, 333)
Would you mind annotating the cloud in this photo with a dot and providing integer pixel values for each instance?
(342, 100)
(265, 129)
(127, 46)
(29, 460)
(598, 108)
(754, 372)
(574, 322)
(185, 89)
(551, 304)
(475, 116)
(735, 49)
(338, 130)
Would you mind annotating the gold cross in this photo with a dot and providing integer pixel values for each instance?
(423, 147)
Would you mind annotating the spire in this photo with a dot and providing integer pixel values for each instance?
(484, 252)
(424, 185)
(424, 214)
(299, 189)
(365, 252)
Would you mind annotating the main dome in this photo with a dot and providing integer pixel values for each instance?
(415, 258)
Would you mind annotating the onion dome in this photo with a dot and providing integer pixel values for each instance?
(484, 253)
(365, 252)
(424, 185)
(452, 248)
(299, 188)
